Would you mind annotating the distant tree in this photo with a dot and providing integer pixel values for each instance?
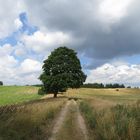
(62, 70)
(109, 86)
(116, 85)
(1, 83)
(136, 87)
(122, 86)
(101, 85)
(93, 85)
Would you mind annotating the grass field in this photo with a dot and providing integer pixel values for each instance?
(17, 94)
(30, 121)
(109, 114)
(112, 95)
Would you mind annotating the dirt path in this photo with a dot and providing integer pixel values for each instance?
(80, 123)
(59, 121)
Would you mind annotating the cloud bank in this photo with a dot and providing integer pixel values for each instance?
(111, 73)
(107, 29)
(101, 31)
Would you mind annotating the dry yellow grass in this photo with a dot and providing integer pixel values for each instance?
(106, 97)
(34, 120)
(30, 121)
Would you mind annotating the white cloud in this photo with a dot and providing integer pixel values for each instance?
(6, 58)
(6, 49)
(7, 63)
(110, 73)
(111, 11)
(20, 50)
(30, 66)
(30, 79)
(27, 72)
(14, 71)
(9, 12)
(40, 41)
(18, 23)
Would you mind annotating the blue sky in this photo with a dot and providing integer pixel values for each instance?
(105, 34)
(26, 27)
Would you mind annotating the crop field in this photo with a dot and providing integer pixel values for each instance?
(78, 114)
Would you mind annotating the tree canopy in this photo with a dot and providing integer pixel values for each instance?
(62, 70)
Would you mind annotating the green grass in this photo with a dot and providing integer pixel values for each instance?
(17, 94)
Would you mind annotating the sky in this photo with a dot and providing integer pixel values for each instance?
(104, 33)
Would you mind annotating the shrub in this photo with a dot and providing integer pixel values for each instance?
(41, 91)
(1, 83)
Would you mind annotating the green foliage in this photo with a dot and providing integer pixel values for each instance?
(41, 91)
(62, 70)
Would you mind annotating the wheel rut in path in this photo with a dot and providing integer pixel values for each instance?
(60, 120)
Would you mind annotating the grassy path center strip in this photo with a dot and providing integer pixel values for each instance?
(59, 121)
(70, 124)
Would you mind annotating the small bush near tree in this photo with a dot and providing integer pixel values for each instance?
(1, 83)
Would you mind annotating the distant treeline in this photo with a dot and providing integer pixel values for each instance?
(97, 85)
(100, 85)
(37, 85)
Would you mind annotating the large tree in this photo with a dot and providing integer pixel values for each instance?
(62, 70)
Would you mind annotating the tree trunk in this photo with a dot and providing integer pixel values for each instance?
(55, 95)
